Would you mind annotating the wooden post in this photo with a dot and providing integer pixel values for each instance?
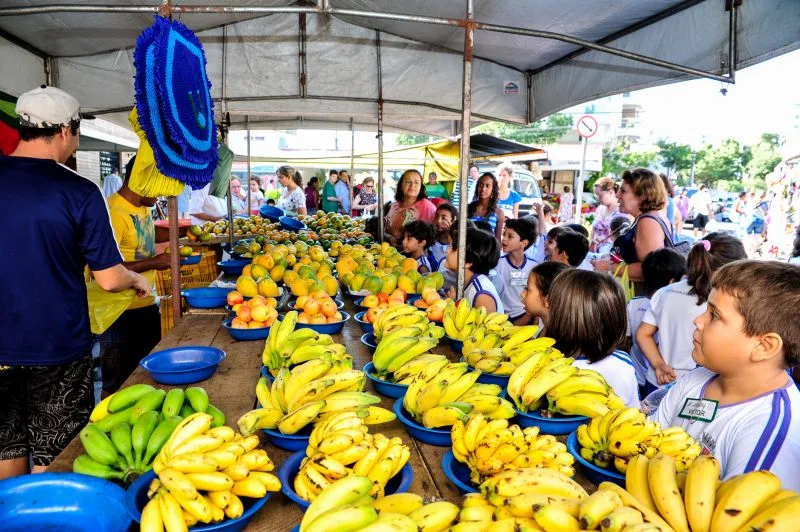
(175, 257)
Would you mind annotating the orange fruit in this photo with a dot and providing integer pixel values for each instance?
(312, 307)
(319, 319)
(328, 308)
(303, 318)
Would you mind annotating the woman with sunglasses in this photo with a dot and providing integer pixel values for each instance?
(367, 198)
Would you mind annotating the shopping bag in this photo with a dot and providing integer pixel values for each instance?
(106, 307)
(621, 274)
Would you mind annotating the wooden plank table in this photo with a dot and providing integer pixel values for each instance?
(232, 390)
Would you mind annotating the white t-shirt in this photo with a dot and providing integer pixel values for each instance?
(673, 310)
(439, 251)
(794, 260)
(480, 284)
(202, 202)
(450, 277)
(637, 307)
(699, 202)
(536, 251)
(617, 370)
(761, 433)
(510, 281)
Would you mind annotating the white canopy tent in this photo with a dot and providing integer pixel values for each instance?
(417, 65)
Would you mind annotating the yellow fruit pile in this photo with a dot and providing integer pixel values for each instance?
(287, 346)
(462, 321)
(501, 352)
(317, 308)
(255, 313)
(394, 318)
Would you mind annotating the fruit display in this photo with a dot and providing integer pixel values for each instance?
(489, 447)
(336, 230)
(129, 428)
(340, 445)
(317, 308)
(287, 263)
(462, 321)
(452, 394)
(401, 347)
(547, 380)
(432, 302)
(306, 394)
(255, 313)
(621, 435)
(500, 353)
(286, 346)
(203, 472)
(391, 319)
(347, 501)
(242, 225)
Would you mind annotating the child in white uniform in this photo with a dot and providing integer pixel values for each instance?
(417, 238)
(482, 254)
(446, 216)
(514, 267)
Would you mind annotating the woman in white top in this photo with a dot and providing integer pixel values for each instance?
(293, 199)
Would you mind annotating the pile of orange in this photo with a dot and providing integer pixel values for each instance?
(317, 308)
(256, 313)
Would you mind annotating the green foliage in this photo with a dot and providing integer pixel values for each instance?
(411, 139)
(545, 131)
(619, 158)
(765, 156)
(674, 156)
(723, 162)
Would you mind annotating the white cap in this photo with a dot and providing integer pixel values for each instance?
(47, 107)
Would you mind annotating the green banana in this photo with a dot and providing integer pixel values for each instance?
(173, 402)
(84, 465)
(186, 410)
(147, 403)
(198, 398)
(127, 397)
(140, 434)
(112, 420)
(99, 446)
(216, 413)
(121, 438)
(158, 438)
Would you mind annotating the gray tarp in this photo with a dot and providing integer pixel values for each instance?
(421, 64)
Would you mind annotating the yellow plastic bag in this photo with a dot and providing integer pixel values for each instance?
(106, 307)
(627, 285)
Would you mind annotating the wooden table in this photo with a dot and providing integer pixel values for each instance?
(232, 390)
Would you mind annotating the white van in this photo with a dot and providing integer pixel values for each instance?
(524, 183)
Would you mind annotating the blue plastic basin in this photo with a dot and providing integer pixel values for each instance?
(365, 325)
(247, 334)
(191, 260)
(233, 267)
(62, 501)
(437, 437)
(591, 471)
(326, 328)
(273, 214)
(457, 345)
(385, 388)
(457, 473)
(488, 378)
(291, 224)
(368, 339)
(557, 425)
(289, 442)
(210, 297)
(183, 365)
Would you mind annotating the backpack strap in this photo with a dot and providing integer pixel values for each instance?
(668, 235)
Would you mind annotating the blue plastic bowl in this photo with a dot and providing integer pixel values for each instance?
(136, 499)
(368, 339)
(183, 365)
(233, 267)
(358, 300)
(327, 328)
(191, 260)
(385, 388)
(550, 425)
(457, 345)
(365, 325)
(397, 484)
(437, 437)
(62, 501)
(488, 378)
(410, 298)
(273, 214)
(245, 335)
(210, 297)
(289, 442)
(591, 471)
(267, 375)
(291, 224)
(457, 473)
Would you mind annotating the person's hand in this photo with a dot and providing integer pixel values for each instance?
(161, 262)
(141, 285)
(665, 374)
(538, 206)
(602, 266)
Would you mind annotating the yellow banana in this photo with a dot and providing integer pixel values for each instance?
(435, 516)
(295, 421)
(741, 502)
(151, 517)
(700, 492)
(649, 516)
(554, 519)
(340, 493)
(235, 508)
(664, 490)
(780, 515)
(178, 484)
(399, 503)
(220, 498)
(210, 481)
(636, 480)
(249, 487)
(621, 518)
(596, 507)
(171, 512)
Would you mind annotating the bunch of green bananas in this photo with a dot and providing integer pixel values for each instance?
(623, 434)
(462, 321)
(306, 393)
(138, 419)
(548, 380)
(347, 505)
(500, 353)
(404, 317)
(424, 366)
(286, 347)
(451, 394)
(401, 346)
(489, 447)
(202, 473)
(341, 445)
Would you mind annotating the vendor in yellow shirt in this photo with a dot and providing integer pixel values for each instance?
(137, 331)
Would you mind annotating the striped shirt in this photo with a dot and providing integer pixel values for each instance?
(428, 261)
(480, 284)
(760, 433)
(618, 371)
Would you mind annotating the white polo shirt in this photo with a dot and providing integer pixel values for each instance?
(617, 370)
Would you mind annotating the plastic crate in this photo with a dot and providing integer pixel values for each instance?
(167, 321)
(197, 276)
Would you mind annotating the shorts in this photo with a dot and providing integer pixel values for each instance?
(756, 227)
(123, 345)
(44, 408)
(700, 221)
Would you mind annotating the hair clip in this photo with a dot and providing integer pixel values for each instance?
(705, 243)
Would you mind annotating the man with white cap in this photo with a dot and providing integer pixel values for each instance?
(48, 240)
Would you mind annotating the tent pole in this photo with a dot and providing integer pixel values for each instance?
(352, 152)
(175, 258)
(463, 164)
(249, 167)
(380, 136)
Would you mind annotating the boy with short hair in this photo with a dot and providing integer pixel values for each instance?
(417, 237)
(513, 267)
(741, 405)
(571, 248)
(550, 241)
(445, 216)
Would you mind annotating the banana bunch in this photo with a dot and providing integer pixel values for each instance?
(548, 380)
(286, 346)
(500, 353)
(489, 447)
(340, 446)
(132, 425)
(401, 346)
(402, 317)
(620, 435)
(308, 392)
(202, 473)
(423, 366)
(452, 394)
(347, 504)
(462, 321)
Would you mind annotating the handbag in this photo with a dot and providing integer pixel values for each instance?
(628, 287)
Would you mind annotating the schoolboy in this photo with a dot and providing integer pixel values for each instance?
(571, 248)
(446, 216)
(513, 267)
(481, 256)
(741, 405)
(417, 237)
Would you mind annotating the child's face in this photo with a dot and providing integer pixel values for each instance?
(443, 221)
(511, 241)
(549, 247)
(411, 245)
(451, 260)
(559, 256)
(535, 304)
(720, 344)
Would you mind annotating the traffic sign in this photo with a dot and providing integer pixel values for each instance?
(587, 126)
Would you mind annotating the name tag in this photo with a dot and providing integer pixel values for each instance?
(699, 409)
(519, 279)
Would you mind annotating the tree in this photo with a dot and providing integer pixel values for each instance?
(765, 157)
(725, 161)
(410, 139)
(674, 156)
(545, 131)
(620, 158)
